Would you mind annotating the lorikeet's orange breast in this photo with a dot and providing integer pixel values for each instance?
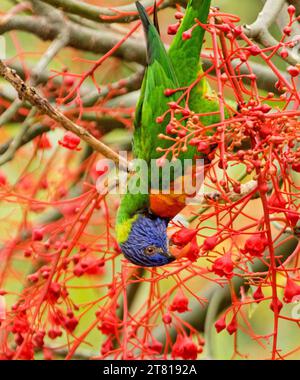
(167, 205)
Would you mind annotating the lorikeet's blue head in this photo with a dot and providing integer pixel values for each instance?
(147, 243)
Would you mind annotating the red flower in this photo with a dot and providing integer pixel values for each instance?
(78, 271)
(180, 303)
(170, 128)
(27, 352)
(232, 327)
(183, 236)
(38, 339)
(155, 346)
(37, 234)
(43, 142)
(34, 277)
(170, 92)
(254, 50)
(54, 333)
(220, 325)
(265, 131)
(256, 245)
(47, 353)
(292, 217)
(291, 291)
(284, 53)
(193, 251)
(108, 325)
(291, 10)
(187, 246)
(258, 295)
(184, 348)
(173, 28)
(210, 243)
(187, 34)
(179, 15)
(20, 324)
(223, 266)
(293, 71)
(296, 167)
(54, 292)
(203, 147)
(167, 319)
(92, 266)
(107, 346)
(3, 179)
(68, 81)
(277, 202)
(2, 308)
(70, 323)
(190, 250)
(70, 141)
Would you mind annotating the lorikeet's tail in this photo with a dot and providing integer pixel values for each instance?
(155, 48)
(152, 103)
(147, 25)
(185, 53)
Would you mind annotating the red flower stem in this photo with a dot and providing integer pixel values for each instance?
(220, 88)
(230, 69)
(273, 271)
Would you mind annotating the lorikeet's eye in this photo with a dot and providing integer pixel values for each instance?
(150, 250)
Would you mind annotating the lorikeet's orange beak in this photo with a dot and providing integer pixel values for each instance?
(174, 249)
(179, 252)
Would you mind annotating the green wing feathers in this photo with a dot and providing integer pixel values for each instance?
(185, 56)
(159, 75)
(180, 67)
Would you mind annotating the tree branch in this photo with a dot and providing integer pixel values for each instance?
(99, 42)
(266, 17)
(81, 37)
(121, 14)
(30, 94)
(259, 30)
(32, 133)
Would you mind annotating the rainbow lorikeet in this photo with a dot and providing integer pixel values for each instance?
(142, 219)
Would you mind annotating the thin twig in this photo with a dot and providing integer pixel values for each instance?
(10, 112)
(17, 140)
(32, 133)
